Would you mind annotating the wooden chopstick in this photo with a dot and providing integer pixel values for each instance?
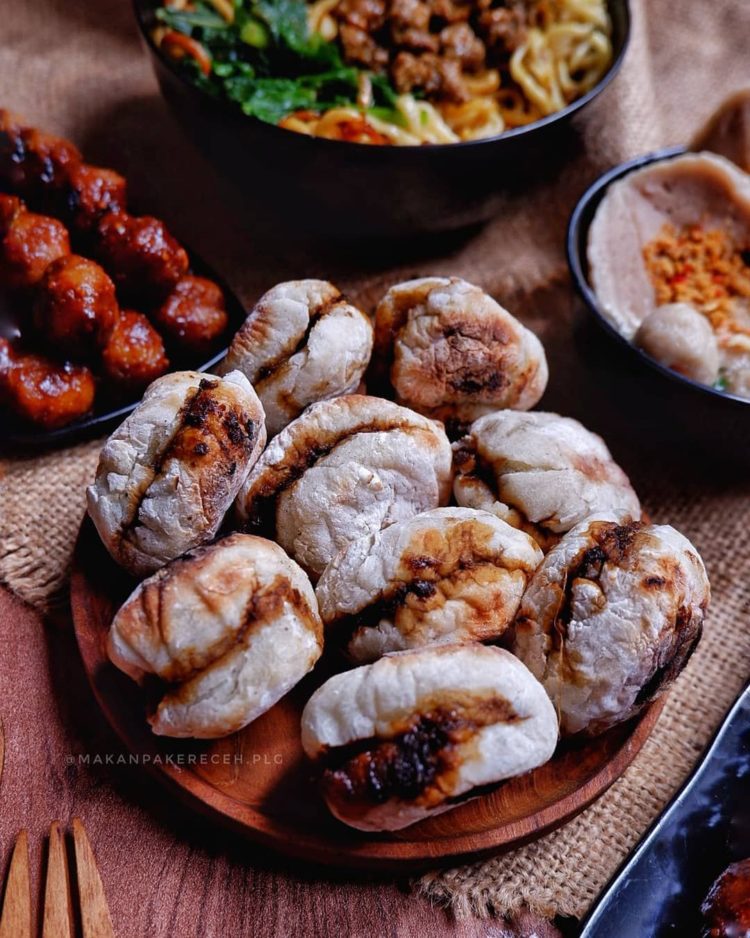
(95, 917)
(16, 917)
(58, 912)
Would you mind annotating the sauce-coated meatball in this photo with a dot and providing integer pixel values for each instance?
(76, 306)
(193, 315)
(140, 254)
(37, 161)
(43, 392)
(91, 193)
(10, 207)
(726, 911)
(134, 353)
(29, 245)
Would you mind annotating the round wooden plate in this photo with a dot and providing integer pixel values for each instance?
(259, 782)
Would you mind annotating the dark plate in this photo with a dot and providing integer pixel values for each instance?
(108, 413)
(670, 410)
(351, 189)
(659, 890)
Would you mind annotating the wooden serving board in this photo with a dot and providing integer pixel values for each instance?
(259, 782)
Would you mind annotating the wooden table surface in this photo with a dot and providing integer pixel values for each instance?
(166, 872)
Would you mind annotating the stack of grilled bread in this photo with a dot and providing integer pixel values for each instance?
(479, 571)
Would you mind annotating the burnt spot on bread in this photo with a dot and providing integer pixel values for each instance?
(458, 564)
(479, 482)
(673, 651)
(295, 344)
(211, 436)
(266, 602)
(306, 447)
(612, 543)
(419, 762)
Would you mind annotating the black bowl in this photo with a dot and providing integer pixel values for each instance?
(350, 189)
(690, 420)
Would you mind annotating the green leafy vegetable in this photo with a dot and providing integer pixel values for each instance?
(269, 63)
(270, 99)
(185, 21)
(287, 20)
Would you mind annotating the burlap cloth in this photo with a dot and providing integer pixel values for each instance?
(76, 67)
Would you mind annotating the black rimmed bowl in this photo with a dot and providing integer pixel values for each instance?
(348, 189)
(683, 419)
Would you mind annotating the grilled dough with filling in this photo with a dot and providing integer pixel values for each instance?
(451, 352)
(447, 575)
(170, 471)
(231, 627)
(610, 618)
(345, 469)
(539, 472)
(416, 732)
(302, 342)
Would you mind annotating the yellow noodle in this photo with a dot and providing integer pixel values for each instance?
(566, 51)
(474, 119)
(320, 21)
(423, 121)
(484, 83)
(224, 8)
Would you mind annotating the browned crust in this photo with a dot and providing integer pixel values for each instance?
(263, 605)
(307, 447)
(316, 313)
(212, 439)
(434, 568)
(418, 762)
(613, 544)
(474, 470)
(148, 609)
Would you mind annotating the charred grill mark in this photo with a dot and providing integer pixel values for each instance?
(276, 364)
(385, 607)
(302, 455)
(432, 562)
(417, 762)
(264, 604)
(203, 427)
(683, 640)
(137, 496)
(235, 431)
(613, 542)
(466, 383)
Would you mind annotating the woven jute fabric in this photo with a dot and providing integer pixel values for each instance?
(76, 68)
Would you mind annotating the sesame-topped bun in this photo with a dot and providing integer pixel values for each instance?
(231, 627)
(539, 472)
(448, 575)
(452, 352)
(610, 618)
(302, 342)
(416, 732)
(345, 469)
(170, 471)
